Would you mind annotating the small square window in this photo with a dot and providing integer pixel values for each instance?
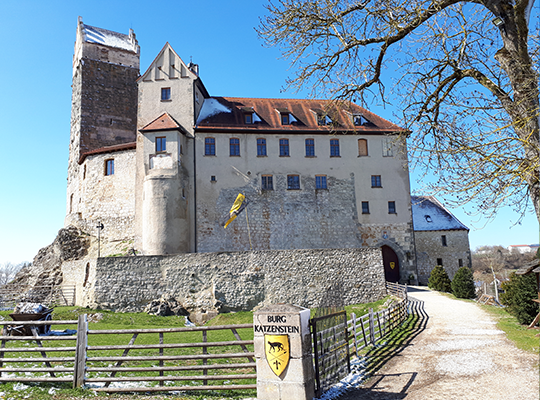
(439, 261)
(376, 181)
(365, 207)
(443, 240)
(334, 147)
(248, 118)
(261, 147)
(293, 182)
(109, 167)
(165, 94)
(212, 178)
(285, 119)
(161, 144)
(267, 182)
(310, 147)
(284, 147)
(320, 182)
(387, 147)
(209, 146)
(391, 207)
(234, 146)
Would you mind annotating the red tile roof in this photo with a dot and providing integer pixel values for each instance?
(163, 122)
(303, 110)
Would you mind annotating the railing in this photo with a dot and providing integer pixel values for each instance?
(370, 328)
(178, 359)
(10, 295)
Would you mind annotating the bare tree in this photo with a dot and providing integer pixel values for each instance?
(8, 272)
(467, 74)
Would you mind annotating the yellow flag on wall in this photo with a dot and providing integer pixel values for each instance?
(239, 204)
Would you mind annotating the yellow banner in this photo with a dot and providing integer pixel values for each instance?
(234, 209)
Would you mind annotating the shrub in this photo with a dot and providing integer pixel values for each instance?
(463, 284)
(439, 280)
(518, 294)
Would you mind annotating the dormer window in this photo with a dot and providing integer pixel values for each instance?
(322, 117)
(161, 144)
(250, 117)
(359, 120)
(286, 116)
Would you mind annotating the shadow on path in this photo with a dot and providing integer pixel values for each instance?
(389, 347)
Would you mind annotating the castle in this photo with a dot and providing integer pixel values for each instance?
(155, 164)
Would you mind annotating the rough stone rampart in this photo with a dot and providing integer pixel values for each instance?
(234, 281)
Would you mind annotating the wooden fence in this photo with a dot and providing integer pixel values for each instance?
(370, 328)
(138, 367)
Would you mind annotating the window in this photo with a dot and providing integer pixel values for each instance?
(362, 148)
(320, 182)
(310, 147)
(293, 182)
(387, 150)
(84, 172)
(267, 182)
(109, 167)
(365, 207)
(334, 147)
(460, 263)
(376, 181)
(234, 146)
(323, 119)
(212, 178)
(161, 144)
(261, 147)
(391, 207)
(285, 119)
(248, 118)
(443, 240)
(284, 147)
(209, 146)
(165, 94)
(359, 120)
(439, 261)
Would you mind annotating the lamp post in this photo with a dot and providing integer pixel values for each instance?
(99, 227)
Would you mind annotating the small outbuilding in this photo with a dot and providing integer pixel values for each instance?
(440, 238)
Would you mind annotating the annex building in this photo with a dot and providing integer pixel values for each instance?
(158, 162)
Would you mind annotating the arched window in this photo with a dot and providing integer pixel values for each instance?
(362, 147)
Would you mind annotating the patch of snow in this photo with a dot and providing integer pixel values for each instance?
(107, 38)
(292, 119)
(465, 363)
(210, 108)
(256, 118)
(20, 386)
(52, 390)
(353, 380)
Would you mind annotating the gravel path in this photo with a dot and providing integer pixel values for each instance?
(460, 354)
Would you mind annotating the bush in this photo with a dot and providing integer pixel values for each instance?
(439, 280)
(463, 284)
(518, 294)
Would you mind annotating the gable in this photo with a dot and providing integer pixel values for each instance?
(167, 65)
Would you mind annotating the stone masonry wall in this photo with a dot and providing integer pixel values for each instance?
(221, 282)
(429, 247)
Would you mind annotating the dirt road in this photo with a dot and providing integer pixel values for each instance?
(458, 353)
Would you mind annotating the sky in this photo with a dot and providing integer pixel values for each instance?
(36, 50)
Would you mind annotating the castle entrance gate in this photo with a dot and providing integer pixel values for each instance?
(391, 264)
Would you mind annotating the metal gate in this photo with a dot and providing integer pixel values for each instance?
(330, 350)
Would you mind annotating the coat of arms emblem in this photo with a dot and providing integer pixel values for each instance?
(277, 352)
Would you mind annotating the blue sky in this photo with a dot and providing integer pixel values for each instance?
(36, 44)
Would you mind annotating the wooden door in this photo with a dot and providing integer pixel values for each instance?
(391, 264)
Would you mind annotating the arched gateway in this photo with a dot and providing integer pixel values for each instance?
(391, 264)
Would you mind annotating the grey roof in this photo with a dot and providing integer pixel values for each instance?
(529, 267)
(430, 215)
(108, 38)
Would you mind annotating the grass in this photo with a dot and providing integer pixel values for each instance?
(523, 338)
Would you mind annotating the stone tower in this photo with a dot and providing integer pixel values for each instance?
(104, 102)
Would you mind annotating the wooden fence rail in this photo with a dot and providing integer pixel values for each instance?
(162, 362)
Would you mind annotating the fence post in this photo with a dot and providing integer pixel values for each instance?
(80, 352)
(353, 316)
(371, 327)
